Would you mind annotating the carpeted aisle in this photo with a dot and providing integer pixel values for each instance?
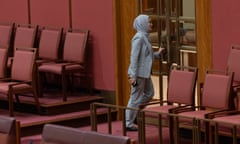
(152, 136)
(151, 132)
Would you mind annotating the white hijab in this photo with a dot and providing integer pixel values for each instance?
(140, 24)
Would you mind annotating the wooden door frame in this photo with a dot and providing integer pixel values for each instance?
(124, 13)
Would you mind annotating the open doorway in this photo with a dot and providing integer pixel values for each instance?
(174, 29)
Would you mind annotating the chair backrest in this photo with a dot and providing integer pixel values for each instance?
(6, 33)
(61, 135)
(25, 36)
(233, 59)
(23, 65)
(8, 131)
(75, 46)
(67, 135)
(49, 43)
(3, 62)
(181, 85)
(217, 89)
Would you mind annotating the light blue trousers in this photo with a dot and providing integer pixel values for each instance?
(142, 93)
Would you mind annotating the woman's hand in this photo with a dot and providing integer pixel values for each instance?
(132, 81)
(160, 50)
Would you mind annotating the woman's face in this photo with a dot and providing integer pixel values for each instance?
(150, 25)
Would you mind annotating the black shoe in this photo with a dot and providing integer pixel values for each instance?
(131, 129)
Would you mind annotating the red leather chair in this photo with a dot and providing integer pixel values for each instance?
(9, 130)
(49, 44)
(215, 98)
(25, 36)
(22, 79)
(3, 62)
(233, 66)
(180, 93)
(6, 35)
(74, 52)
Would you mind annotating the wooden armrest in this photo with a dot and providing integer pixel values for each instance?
(40, 62)
(221, 113)
(143, 105)
(69, 64)
(18, 83)
(172, 110)
(182, 109)
(47, 61)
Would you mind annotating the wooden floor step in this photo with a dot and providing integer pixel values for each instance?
(33, 124)
(52, 105)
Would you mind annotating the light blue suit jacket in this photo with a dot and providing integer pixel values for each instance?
(142, 57)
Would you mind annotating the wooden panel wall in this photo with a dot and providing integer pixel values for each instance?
(125, 12)
(204, 38)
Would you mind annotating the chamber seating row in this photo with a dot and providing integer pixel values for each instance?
(218, 97)
(217, 111)
(224, 129)
(30, 53)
